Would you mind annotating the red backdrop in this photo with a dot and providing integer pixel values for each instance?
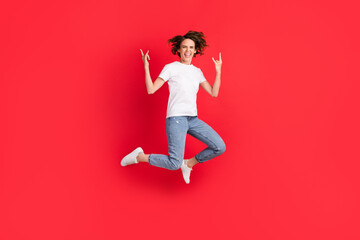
(73, 103)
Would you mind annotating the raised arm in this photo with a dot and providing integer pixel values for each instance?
(151, 86)
(214, 90)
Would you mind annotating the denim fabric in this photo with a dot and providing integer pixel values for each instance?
(176, 130)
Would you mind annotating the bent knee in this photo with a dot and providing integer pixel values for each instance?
(221, 148)
(175, 166)
(175, 163)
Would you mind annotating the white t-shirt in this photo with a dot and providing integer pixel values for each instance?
(183, 83)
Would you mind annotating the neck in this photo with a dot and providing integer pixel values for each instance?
(185, 62)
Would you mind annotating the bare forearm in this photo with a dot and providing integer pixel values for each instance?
(215, 89)
(148, 81)
(216, 86)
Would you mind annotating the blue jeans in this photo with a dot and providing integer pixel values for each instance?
(176, 130)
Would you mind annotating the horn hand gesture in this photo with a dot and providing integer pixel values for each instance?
(145, 58)
(218, 63)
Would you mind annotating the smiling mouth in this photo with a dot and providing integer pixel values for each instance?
(187, 55)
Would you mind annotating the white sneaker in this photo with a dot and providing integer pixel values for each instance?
(186, 171)
(131, 157)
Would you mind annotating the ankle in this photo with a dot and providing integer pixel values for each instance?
(191, 162)
(139, 157)
(142, 157)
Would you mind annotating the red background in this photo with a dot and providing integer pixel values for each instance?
(73, 103)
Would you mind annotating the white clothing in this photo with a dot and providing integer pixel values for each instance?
(183, 83)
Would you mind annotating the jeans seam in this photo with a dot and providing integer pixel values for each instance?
(208, 146)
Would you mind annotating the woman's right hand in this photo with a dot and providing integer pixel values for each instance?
(145, 58)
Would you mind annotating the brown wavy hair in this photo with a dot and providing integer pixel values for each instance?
(197, 37)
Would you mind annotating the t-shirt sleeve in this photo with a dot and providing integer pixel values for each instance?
(165, 73)
(202, 77)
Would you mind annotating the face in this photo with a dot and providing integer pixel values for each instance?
(187, 51)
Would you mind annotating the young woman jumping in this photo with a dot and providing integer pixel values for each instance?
(181, 117)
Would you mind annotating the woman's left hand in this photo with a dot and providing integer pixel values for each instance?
(218, 63)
